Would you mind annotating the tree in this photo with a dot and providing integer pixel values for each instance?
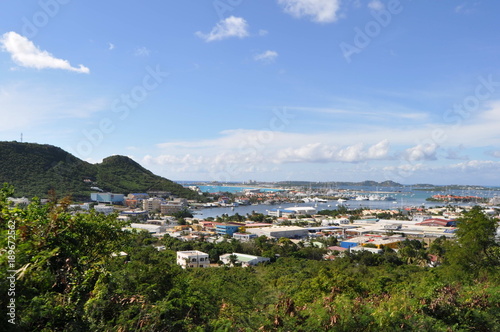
(475, 248)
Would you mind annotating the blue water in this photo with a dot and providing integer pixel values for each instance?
(233, 190)
(406, 197)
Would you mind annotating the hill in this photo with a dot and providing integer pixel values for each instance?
(34, 169)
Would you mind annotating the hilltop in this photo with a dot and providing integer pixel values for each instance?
(34, 169)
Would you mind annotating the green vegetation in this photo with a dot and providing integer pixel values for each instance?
(68, 279)
(35, 169)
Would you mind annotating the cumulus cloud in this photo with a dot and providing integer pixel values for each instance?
(226, 28)
(478, 165)
(321, 11)
(322, 153)
(421, 152)
(25, 54)
(267, 56)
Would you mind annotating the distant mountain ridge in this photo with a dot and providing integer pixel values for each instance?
(367, 183)
(34, 169)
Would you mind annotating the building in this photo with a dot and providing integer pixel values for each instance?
(227, 229)
(292, 232)
(135, 214)
(106, 209)
(292, 211)
(171, 207)
(192, 258)
(244, 260)
(244, 237)
(338, 221)
(376, 241)
(109, 198)
(151, 229)
(437, 222)
(152, 204)
(138, 196)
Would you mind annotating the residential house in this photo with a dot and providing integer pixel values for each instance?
(192, 258)
(243, 259)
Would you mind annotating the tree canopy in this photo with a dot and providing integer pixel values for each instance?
(82, 272)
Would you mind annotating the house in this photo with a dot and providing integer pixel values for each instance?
(334, 252)
(243, 259)
(192, 258)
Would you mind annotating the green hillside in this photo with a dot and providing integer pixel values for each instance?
(34, 169)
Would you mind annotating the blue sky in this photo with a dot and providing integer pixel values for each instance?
(270, 90)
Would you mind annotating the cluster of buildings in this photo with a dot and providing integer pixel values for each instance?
(138, 204)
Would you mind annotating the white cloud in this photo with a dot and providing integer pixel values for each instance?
(25, 54)
(111, 46)
(263, 32)
(267, 56)
(478, 165)
(321, 11)
(142, 51)
(376, 5)
(401, 151)
(421, 152)
(319, 152)
(229, 27)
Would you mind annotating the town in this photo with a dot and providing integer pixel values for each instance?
(333, 231)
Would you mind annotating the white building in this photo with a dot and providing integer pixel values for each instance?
(245, 237)
(280, 231)
(106, 209)
(338, 221)
(152, 229)
(291, 212)
(192, 258)
(245, 260)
